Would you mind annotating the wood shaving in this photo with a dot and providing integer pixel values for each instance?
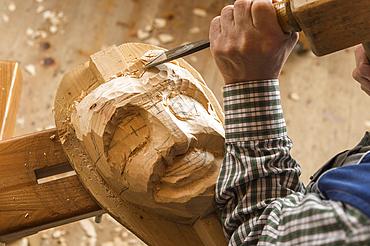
(40, 9)
(294, 96)
(35, 34)
(5, 18)
(142, 34)
(58, 233)
(88, 228)
(367, 123)
(160, 22)
(30, 69)
(53, 29)
(148, 28)
(153, 41)
(12, 7)
(199, 12)
(194, 30)
(20, 121)
(165, 38)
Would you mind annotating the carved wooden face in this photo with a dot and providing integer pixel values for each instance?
(156, 139)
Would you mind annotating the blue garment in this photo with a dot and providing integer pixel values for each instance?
(348, 184)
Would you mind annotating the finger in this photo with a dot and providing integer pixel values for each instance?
(361, 56)
(362, 80)
(365, 89)
(227, 19)
(364, 70)
(215, 28)
(242, 13)
(264, 15)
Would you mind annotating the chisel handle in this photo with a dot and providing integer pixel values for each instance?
(367, 49)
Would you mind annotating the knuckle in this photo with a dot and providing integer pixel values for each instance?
(230, 49)
(227, 9)
(261, 6)
(215, 20)
(241, 4)
(364, 71)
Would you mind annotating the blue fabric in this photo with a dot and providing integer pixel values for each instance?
(349, 184)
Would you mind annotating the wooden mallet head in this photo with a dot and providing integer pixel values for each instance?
(330, 25)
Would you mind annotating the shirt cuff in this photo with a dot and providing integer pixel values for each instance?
(253, 111)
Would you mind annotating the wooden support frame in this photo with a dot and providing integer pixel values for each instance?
(27, 207)
(10, 91)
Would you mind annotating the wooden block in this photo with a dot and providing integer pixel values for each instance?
(332, 25)
(10, 91)
(26, 206)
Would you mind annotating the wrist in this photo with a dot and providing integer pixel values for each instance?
(249, 78)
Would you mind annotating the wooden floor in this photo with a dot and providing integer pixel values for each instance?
(331, 113)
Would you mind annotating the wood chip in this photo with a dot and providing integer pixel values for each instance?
(199, 12)
(30, 69)
(12, 7)
(294, 96)
(142, 34)
(367, 123)
(153, 41)
(58, 233)
(53, 29)
(88, 228)
(165, 38)
(40, 9)
(5, 18)
(194, 30)
(160, 22)
(148, 28)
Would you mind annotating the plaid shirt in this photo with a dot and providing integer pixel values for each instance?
(259, 194)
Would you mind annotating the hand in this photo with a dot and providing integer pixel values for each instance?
(362, 70)
(247, 42)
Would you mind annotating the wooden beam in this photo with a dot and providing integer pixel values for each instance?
(28, 205)
(10, 91)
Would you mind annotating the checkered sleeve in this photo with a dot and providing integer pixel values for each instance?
(259, 194)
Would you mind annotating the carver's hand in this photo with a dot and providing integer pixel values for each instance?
(247, 42)
(362, 70)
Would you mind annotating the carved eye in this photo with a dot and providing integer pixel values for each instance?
(184, 107)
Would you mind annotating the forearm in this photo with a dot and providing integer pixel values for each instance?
(258, 167)
(259, 194)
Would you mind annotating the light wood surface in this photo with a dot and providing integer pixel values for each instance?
(151, 225)
(10, 92)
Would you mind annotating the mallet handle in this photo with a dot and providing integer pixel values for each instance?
(367, 49)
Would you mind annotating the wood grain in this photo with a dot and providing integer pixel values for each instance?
(10, 92)
(332, 25)
(27, 207)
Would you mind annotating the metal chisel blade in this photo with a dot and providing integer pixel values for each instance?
(178, 52)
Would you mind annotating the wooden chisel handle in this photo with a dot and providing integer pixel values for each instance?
(367, 49)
